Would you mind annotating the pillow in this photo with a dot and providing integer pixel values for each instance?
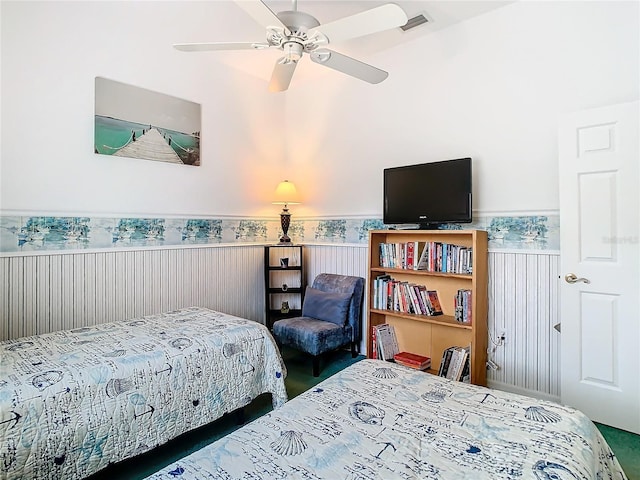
(328, 306)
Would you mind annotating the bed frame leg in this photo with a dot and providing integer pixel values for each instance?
(239, 415)
(316, 366)
(354, 350)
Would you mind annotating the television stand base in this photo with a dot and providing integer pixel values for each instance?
(416, 226)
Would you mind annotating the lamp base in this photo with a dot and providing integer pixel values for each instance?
(285, 220)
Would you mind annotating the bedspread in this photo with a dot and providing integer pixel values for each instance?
(377, 420)
(74, 401)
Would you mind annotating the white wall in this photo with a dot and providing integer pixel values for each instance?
(491, 87)
(51, 53)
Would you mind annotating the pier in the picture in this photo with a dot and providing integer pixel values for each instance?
(150, 145)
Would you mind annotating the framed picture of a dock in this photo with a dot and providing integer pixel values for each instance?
(138, 123)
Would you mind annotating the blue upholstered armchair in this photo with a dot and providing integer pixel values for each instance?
(331, 317)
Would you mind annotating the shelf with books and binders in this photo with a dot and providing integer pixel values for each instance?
(399, 293)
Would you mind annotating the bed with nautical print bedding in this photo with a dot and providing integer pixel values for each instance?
(378, 420)
(74, 401)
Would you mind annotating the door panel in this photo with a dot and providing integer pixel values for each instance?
(599, 242)
(597, 192)
(598, 334)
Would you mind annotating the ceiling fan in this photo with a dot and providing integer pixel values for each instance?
(295, 33)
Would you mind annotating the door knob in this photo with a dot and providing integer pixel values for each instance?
(571, 278)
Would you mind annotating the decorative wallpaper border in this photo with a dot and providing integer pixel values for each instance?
(31, 233)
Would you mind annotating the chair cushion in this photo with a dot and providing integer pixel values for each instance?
(311, 335)
(328, 306)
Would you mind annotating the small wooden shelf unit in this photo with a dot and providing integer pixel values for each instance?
(276, 276)
(431, 335)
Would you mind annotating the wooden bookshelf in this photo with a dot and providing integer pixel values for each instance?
(431, 335)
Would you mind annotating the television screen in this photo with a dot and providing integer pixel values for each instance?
(428, 194)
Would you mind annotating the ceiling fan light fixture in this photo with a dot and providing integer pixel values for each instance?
(292, 51)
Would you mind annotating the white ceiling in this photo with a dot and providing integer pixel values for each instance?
(440, 14)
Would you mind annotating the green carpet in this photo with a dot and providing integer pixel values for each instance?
(299, 379)
(626, 446)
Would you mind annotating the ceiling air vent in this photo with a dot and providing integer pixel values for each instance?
(414, 22)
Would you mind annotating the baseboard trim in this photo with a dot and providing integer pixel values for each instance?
(505, 387)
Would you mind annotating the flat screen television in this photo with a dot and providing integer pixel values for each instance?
(428, 194)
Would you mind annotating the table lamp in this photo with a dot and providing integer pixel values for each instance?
(286, 194)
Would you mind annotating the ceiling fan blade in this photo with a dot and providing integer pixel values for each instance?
(203, 47)
(374, 20)
(260, 13)
(348, 65)
(282, 74)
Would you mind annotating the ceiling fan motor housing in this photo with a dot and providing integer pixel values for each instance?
(298, 21)
(298, 25)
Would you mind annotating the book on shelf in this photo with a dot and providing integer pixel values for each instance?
(418, 249)
(410, 254)
(413, 360)
(455, 364)
(462, 303)
(446, 360)
(464, 360)
(415, 305)
(387, 341)
(465, 377)
(435, 302)
(374, 343)
(424, 310)
(424, 296)
(423, 260)
(379, 293)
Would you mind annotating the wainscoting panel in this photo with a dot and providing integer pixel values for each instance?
(339, 259)
(524, 305)
(44, 293)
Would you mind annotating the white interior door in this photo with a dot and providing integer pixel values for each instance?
(599, 228)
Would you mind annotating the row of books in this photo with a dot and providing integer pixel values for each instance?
(430, 256)
(462, 304)
(385, 342)
(455, 364)
(391, 294)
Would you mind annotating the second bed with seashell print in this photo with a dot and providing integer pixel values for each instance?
(382, 420)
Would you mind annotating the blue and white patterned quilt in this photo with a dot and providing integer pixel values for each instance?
(378, 420)
(72, 402)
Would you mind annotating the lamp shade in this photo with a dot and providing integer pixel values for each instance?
(286, 193)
